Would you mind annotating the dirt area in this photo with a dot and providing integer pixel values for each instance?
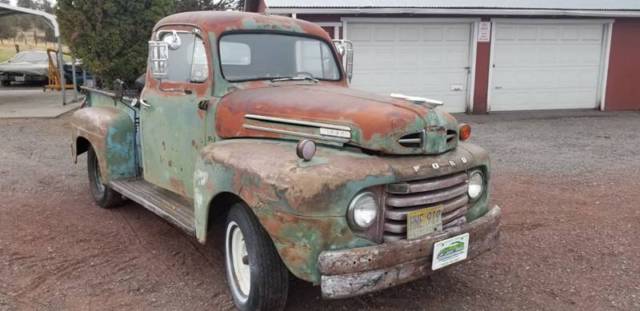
(568, 188)
(30, 101)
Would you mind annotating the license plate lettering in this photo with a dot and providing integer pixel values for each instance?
(424, 221)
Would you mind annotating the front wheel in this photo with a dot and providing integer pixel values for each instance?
(257, 277)
(102, 194)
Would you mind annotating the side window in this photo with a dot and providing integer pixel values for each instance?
(199, 67)
(187, 58)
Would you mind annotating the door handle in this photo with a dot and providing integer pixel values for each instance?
(144, 103)
(203, 104)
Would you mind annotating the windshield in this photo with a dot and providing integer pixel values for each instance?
(266, 56)
(31, 57)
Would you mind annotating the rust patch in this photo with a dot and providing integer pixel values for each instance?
(353, 272)
(178, 186)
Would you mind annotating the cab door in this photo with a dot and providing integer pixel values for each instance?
(173, 109)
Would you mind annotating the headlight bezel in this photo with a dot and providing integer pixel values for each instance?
(482, 184)
(351, 217)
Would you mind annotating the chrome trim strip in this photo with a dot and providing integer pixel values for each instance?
(297, 122)
(292, 133)
(410, 140)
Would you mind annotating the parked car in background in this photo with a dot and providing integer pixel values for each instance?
(27, 66)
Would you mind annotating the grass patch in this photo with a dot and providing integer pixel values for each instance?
(6, 53)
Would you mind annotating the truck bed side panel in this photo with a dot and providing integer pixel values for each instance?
(111, 133)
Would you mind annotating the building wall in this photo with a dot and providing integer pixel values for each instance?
(623, 82)
(481, 87)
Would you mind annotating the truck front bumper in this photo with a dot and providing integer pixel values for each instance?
(357, 271)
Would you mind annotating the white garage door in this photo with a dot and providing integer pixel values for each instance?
(545, 66)
(417, 58)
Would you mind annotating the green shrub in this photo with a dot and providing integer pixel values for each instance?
(110, 36)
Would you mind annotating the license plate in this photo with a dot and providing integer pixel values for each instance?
(19, 78)
(424, 221)
(450, 251)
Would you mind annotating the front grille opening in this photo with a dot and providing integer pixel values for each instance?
(451, 136)
(402, 198)
(413, 140)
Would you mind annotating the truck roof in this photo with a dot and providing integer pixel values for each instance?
(221, 21)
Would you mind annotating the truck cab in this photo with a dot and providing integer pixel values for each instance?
(248, 122)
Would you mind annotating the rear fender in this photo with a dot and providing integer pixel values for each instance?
(111, 133)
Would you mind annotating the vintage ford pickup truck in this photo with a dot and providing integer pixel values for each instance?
(248, 121)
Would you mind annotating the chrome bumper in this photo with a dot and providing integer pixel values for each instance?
(357, 271)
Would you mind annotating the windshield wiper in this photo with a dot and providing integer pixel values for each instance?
(295, 78)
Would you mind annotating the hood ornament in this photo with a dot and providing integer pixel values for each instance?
(431, 103)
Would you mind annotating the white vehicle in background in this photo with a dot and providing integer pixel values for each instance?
(27, 66)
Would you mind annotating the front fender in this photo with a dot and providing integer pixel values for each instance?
(302, 205)
(111, 133)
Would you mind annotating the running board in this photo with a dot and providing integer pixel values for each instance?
(164, 203)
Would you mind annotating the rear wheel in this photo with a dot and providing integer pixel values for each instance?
(257, 277)
(104, 196)
(6, 82)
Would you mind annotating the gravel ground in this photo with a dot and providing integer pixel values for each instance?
(568, 188)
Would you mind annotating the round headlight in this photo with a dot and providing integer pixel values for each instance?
(363, 210)
(476, 185)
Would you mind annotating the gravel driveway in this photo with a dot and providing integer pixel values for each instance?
(569, 188)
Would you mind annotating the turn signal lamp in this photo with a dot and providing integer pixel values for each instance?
(464, 131)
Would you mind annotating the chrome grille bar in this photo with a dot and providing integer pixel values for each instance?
(405, 197)
(425, 198)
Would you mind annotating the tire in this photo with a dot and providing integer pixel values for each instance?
(102, 194)
(256, 256)
(6, 82)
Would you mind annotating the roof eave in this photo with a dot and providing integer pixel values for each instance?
(456, 11)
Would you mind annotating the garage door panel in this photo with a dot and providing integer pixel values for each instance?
(545, 66)
(459, 33)
(360, 32)
(591, 33)
(409, 33)
(432, 33)
(421, 59)
(384, 33)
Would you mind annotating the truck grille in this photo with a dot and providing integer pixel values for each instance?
(401, 198)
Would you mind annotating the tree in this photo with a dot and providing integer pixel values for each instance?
(110, 36)
(7, 29)
(202, 5)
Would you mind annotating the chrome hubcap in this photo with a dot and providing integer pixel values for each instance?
(238, 262)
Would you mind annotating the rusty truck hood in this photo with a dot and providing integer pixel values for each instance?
(324, 112)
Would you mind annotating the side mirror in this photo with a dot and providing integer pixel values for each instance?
(173, 40)
(345, 49)
(158, 59)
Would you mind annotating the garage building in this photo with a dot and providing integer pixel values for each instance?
(483, 56)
